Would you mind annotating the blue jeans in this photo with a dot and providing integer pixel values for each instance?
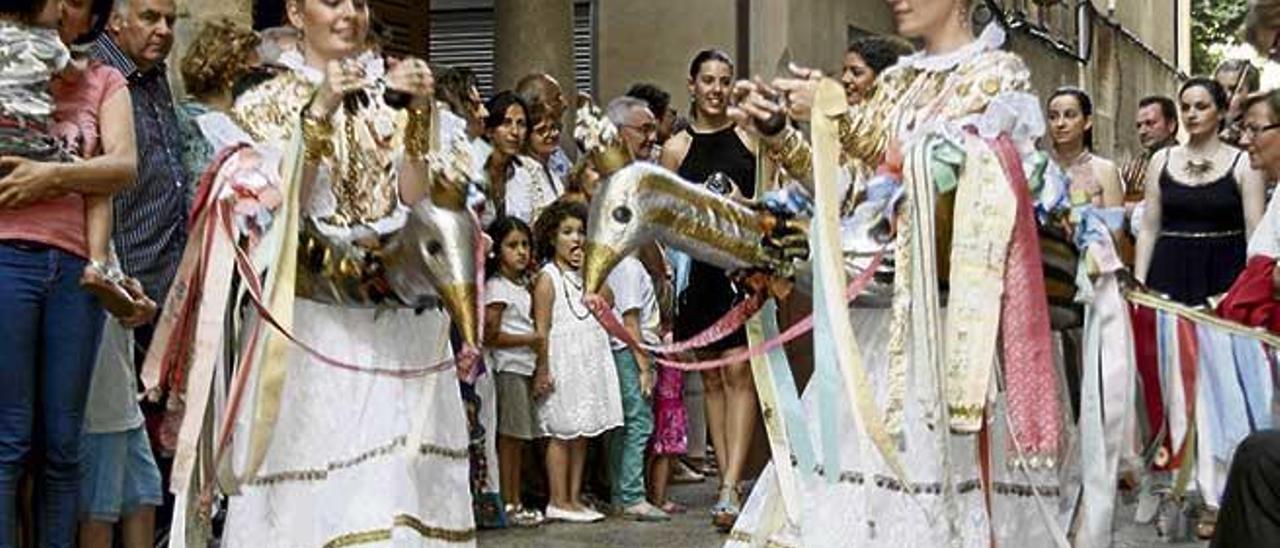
(49, 331)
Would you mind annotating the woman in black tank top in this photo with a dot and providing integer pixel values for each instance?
(1202, 203)
(713, 149)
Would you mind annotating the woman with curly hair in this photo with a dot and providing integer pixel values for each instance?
(222, 55)
(575, 383)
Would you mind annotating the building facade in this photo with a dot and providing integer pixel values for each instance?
(1133, 48)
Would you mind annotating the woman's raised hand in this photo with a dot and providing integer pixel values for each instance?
(799, 91)
(755, 106)
(413, 76)
(341, 77)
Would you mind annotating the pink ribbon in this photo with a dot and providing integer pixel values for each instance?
(1027, 356)
(609, 320)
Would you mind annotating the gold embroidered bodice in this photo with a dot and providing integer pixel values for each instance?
(906, 99)
(361, 177)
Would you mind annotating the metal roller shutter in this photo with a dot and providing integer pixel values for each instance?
(584, 47)
(463, 36)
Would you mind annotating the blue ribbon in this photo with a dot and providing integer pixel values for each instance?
(788, 397)
(1096, 224)
(826, 377)
(1253, 369)
(1224, 405)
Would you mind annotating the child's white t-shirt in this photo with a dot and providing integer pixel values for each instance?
(517, 319)
(633, 290)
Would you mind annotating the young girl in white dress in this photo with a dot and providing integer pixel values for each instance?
(574, 379)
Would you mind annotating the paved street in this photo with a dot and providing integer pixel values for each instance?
(689, 530)
(693, 530)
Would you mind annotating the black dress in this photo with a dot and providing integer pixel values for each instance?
(710, 293)
(1201, 248)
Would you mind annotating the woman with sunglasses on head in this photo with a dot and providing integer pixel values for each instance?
(1202, 205)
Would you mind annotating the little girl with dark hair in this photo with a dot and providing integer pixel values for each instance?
(511, 343)
(574, 380)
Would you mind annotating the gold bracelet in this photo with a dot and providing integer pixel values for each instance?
(792, 153)
(417, 134)
(317, 138)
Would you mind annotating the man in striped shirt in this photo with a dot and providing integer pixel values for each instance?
(151, 217)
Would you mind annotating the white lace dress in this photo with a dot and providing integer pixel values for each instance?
(585, 400)
(863, 505)
(339, 468)
(358, 458)
(962, 493)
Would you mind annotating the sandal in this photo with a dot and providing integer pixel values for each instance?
(1207, 524)
(524, 517)
(673, 507)
(684, 473)
(727, 508)
(107, 283)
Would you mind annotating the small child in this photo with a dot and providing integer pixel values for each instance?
(511, 343)
(670, 419)
(119, 480)
(31, 57)
(635, 301)
(574, 377)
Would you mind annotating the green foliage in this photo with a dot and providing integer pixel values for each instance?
(1214, 22)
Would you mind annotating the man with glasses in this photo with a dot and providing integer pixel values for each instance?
(637, 126)
(659, 105)
(1246, 517)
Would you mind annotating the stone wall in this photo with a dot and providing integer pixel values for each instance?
(654, 40)
(1133, 54)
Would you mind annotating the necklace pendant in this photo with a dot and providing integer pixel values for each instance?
(1198, 167)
